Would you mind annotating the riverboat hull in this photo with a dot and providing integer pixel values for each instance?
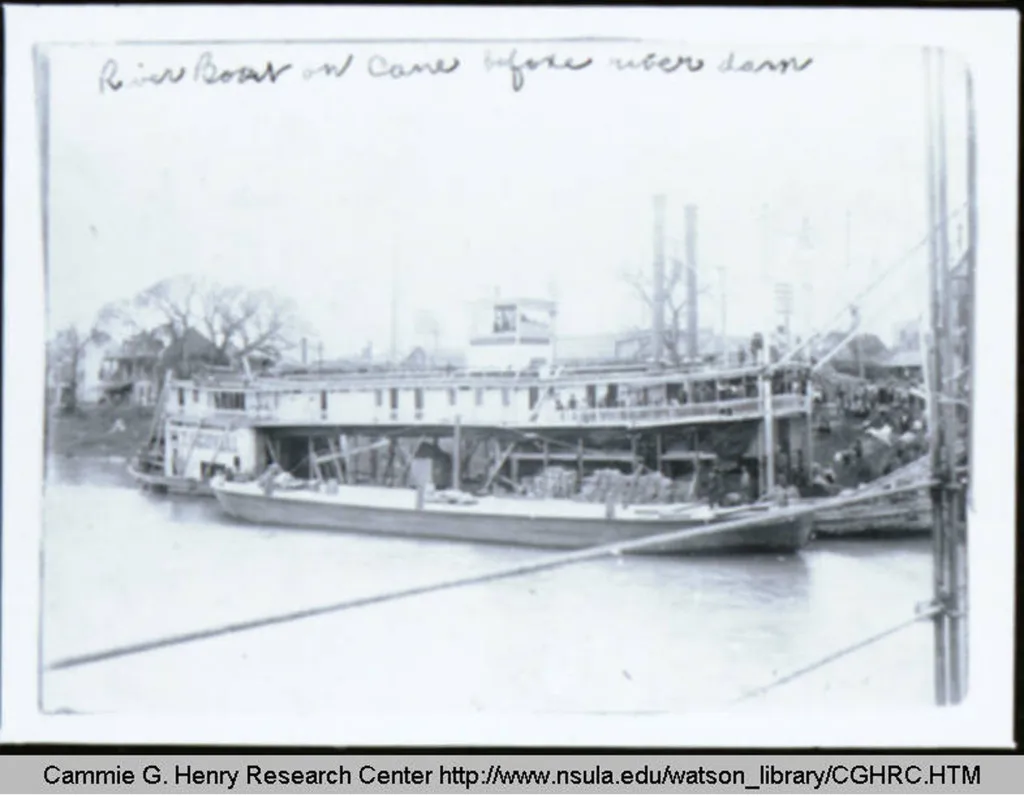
(909, 515)
(154, 481)
(552, 524)
(884, 508)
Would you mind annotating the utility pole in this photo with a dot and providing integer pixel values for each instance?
(856, 310)
(691, 283)
(960, 569)
(658, 297)
(396, 275)
(807, 292)
(950, 437)
(934, 387)
(948, 533)
(768, 421)
(724, 345)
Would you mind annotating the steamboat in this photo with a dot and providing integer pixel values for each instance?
(494, 429)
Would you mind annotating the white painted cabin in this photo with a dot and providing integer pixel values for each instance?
(510, 383)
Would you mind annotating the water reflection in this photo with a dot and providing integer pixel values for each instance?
(619, 634)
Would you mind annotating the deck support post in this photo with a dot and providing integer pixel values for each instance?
(345, 451)
(314, 467)
(633, 445)
(809, 435)
(769, 435)
(579, 459)
(545, 461)
(269, 446)
(659, 453)
(457, 454)
(389, 466)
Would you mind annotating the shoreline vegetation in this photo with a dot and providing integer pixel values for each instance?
(98, 432)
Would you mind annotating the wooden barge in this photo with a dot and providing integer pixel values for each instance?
(545, 523)
(884, 509)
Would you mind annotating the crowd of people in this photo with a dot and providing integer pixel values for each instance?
(889, 424)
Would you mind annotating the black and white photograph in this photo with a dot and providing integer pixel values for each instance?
(566, 377)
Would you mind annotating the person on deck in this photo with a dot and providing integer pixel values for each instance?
(717, 488)
(745, 485)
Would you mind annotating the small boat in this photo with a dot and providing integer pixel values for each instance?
(540, 523)
(907, 514)
(157, 481)
(881, 510)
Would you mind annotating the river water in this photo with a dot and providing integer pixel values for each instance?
(631, 634)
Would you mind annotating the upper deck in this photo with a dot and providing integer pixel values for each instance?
(620, 398)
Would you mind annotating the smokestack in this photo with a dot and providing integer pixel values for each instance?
(304, 347)
(658, 295)
(691, 282)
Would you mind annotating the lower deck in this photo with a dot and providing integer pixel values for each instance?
(489, 460)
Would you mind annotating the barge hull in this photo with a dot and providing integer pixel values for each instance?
(766, 532)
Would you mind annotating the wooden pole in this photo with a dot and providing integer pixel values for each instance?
(948, 408)
(347, 454)
(809, 432)
(457, 454)
(934, 390)
(972, 244)
(658, 293)
(960, 570)
(849, 271)
(690, 269)
(769, 435)
(722, 310)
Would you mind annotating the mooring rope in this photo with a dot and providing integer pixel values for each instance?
(925, 614)
(546, 563)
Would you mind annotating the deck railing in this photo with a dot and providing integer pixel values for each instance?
(548, 416)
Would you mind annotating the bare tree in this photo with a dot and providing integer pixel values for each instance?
(173, 305)
(675, 302)
(239, 322)
(242, 322)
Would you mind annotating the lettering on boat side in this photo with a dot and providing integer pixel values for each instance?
(209, 70)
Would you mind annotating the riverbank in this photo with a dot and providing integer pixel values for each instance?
(98, 432)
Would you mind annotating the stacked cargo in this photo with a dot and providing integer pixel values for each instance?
(607, 485)
(647, 488)
(553, 483)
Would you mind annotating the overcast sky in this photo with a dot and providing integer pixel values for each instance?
(324, 189)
